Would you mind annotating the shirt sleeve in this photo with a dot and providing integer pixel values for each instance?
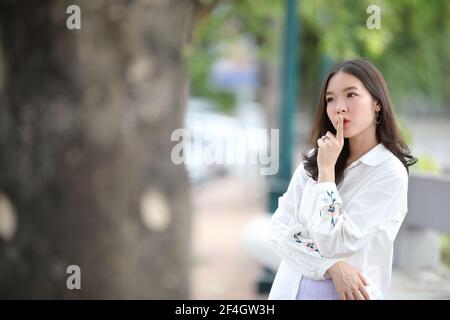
(339, 230)
(288, 236)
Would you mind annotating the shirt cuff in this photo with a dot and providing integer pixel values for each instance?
(324, 186)
(324, 268)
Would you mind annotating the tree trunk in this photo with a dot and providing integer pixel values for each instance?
(85, 123)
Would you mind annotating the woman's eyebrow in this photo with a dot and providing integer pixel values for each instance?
(348, 88)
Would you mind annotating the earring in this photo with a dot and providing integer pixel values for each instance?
(377, 117)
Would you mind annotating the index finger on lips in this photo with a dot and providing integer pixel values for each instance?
(340, 128)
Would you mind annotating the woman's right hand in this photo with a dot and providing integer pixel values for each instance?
(348, 281)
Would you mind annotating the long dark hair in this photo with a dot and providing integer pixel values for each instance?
(387, 131)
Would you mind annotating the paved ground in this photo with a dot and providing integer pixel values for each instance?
(222, 269)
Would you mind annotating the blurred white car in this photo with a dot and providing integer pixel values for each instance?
(206, 126)
(218, 143)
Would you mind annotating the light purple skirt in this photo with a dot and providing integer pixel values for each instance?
(310, 289)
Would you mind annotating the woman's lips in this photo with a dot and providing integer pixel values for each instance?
(346, 122)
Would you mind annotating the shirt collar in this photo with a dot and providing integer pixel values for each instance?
(374, 156)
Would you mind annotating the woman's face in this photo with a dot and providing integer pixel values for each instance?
(347, 95)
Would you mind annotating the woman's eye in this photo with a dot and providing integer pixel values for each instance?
(329, 100)
(351, 95)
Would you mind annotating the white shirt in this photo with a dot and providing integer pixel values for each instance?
(318, 224)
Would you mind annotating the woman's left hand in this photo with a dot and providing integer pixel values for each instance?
(329, 149)
(349, 282)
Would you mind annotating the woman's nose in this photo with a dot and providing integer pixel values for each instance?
(341, 107)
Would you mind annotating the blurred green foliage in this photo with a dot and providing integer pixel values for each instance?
(412, 48)
(425, 163)
(257, 20)
(445, 249)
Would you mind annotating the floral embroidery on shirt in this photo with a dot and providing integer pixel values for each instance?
(330, 201)
(307, 243)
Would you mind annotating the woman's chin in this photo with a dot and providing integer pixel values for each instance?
(348, 134)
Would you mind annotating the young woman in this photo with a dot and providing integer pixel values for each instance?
(335, 226)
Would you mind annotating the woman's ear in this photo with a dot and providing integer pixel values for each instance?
(377, 108)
